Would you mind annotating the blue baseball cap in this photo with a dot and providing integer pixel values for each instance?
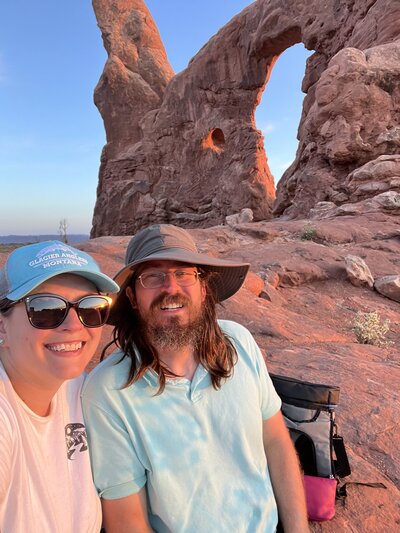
(29, 266)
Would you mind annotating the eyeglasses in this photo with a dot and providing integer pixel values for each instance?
(155, 280)
(46, 311)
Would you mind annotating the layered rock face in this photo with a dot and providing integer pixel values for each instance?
(350, 136)
(135, 74)
(188, 151)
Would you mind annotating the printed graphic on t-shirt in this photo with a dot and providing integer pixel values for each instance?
(76, 438)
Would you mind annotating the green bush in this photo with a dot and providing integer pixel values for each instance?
(369, 329)
(308, 233)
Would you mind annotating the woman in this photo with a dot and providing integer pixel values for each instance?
(52, 305)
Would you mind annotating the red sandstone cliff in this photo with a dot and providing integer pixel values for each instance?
(192, 154)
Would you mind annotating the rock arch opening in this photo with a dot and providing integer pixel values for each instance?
(279, 111)
(220, 89)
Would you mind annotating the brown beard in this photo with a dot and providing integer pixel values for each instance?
(174, 335)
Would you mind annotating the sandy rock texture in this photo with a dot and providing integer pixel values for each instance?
(300, 306)
(186, 149)
(350, 137)
(358, 272)
(136, 72)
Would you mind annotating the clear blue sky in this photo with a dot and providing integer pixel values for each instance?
(51, 134)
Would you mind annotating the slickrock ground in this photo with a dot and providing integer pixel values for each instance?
(299, 305)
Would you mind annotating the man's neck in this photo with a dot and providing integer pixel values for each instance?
(181, 362)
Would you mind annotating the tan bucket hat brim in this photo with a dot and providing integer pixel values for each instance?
(165, 242)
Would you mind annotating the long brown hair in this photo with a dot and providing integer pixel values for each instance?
(214, 351)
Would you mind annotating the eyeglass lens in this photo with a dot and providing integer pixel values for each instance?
(153, 280)
(48, 312)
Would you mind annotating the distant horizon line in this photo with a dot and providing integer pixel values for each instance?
(40, 234)
(27, 238)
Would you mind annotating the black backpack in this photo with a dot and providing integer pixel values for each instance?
(309, 413)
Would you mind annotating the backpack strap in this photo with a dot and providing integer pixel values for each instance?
(341, 491)
(341, 463)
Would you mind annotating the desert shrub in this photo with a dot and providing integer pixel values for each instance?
(308, 233)
(369, 329)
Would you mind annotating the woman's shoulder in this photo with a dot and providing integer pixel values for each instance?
(3, 378)
(8, 421)
(7, 416)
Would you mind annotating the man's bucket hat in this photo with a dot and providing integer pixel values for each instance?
(29, 266)
(167, 242)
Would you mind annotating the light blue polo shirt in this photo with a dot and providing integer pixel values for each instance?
(198, 450)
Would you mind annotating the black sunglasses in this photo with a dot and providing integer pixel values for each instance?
(47, 311)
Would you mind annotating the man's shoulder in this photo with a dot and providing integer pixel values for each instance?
(242, 339)
(111, 373)
(234, 329)
(72, 387)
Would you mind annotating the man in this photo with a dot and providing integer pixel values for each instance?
(184, 425)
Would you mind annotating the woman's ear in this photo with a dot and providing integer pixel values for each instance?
(131, 296)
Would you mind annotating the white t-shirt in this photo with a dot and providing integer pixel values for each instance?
(45, 476)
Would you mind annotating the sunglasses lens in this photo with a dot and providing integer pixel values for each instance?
(46, 312)
(93, 311)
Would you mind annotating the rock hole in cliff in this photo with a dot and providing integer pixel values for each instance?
(279, 111)
(218, 137)
(215, 140)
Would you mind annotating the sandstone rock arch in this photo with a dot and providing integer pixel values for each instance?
(185, 149)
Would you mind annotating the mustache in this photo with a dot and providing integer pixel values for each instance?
(165, 299)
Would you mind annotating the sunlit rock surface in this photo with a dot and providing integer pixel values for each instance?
(350, 136)
(300, 306)
(186, 149)
(135, 74)
(358, 272)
